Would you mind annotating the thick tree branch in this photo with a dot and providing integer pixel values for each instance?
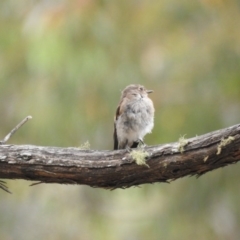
(117, 169)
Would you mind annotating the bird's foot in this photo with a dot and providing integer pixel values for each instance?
(141, 143)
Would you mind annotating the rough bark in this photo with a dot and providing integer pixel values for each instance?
(117, 169)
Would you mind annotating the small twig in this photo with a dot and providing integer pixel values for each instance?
(15, 129)
(3, 186)
(36, 183)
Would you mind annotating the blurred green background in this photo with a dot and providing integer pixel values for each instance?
(66, 62)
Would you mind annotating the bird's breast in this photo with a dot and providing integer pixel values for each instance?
(138, 115)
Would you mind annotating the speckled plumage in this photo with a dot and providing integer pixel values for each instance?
(134, 117)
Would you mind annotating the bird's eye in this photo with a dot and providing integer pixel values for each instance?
(141, 89)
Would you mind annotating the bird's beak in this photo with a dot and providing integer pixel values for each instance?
(149, 91)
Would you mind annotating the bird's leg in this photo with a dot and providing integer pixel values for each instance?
(141, 143)
(124, 145)
(128, 149)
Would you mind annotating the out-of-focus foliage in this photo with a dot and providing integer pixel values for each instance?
(65, 63)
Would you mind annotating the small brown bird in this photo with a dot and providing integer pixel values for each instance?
(134, 117)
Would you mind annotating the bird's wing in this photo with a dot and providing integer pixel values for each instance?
(115, 138)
